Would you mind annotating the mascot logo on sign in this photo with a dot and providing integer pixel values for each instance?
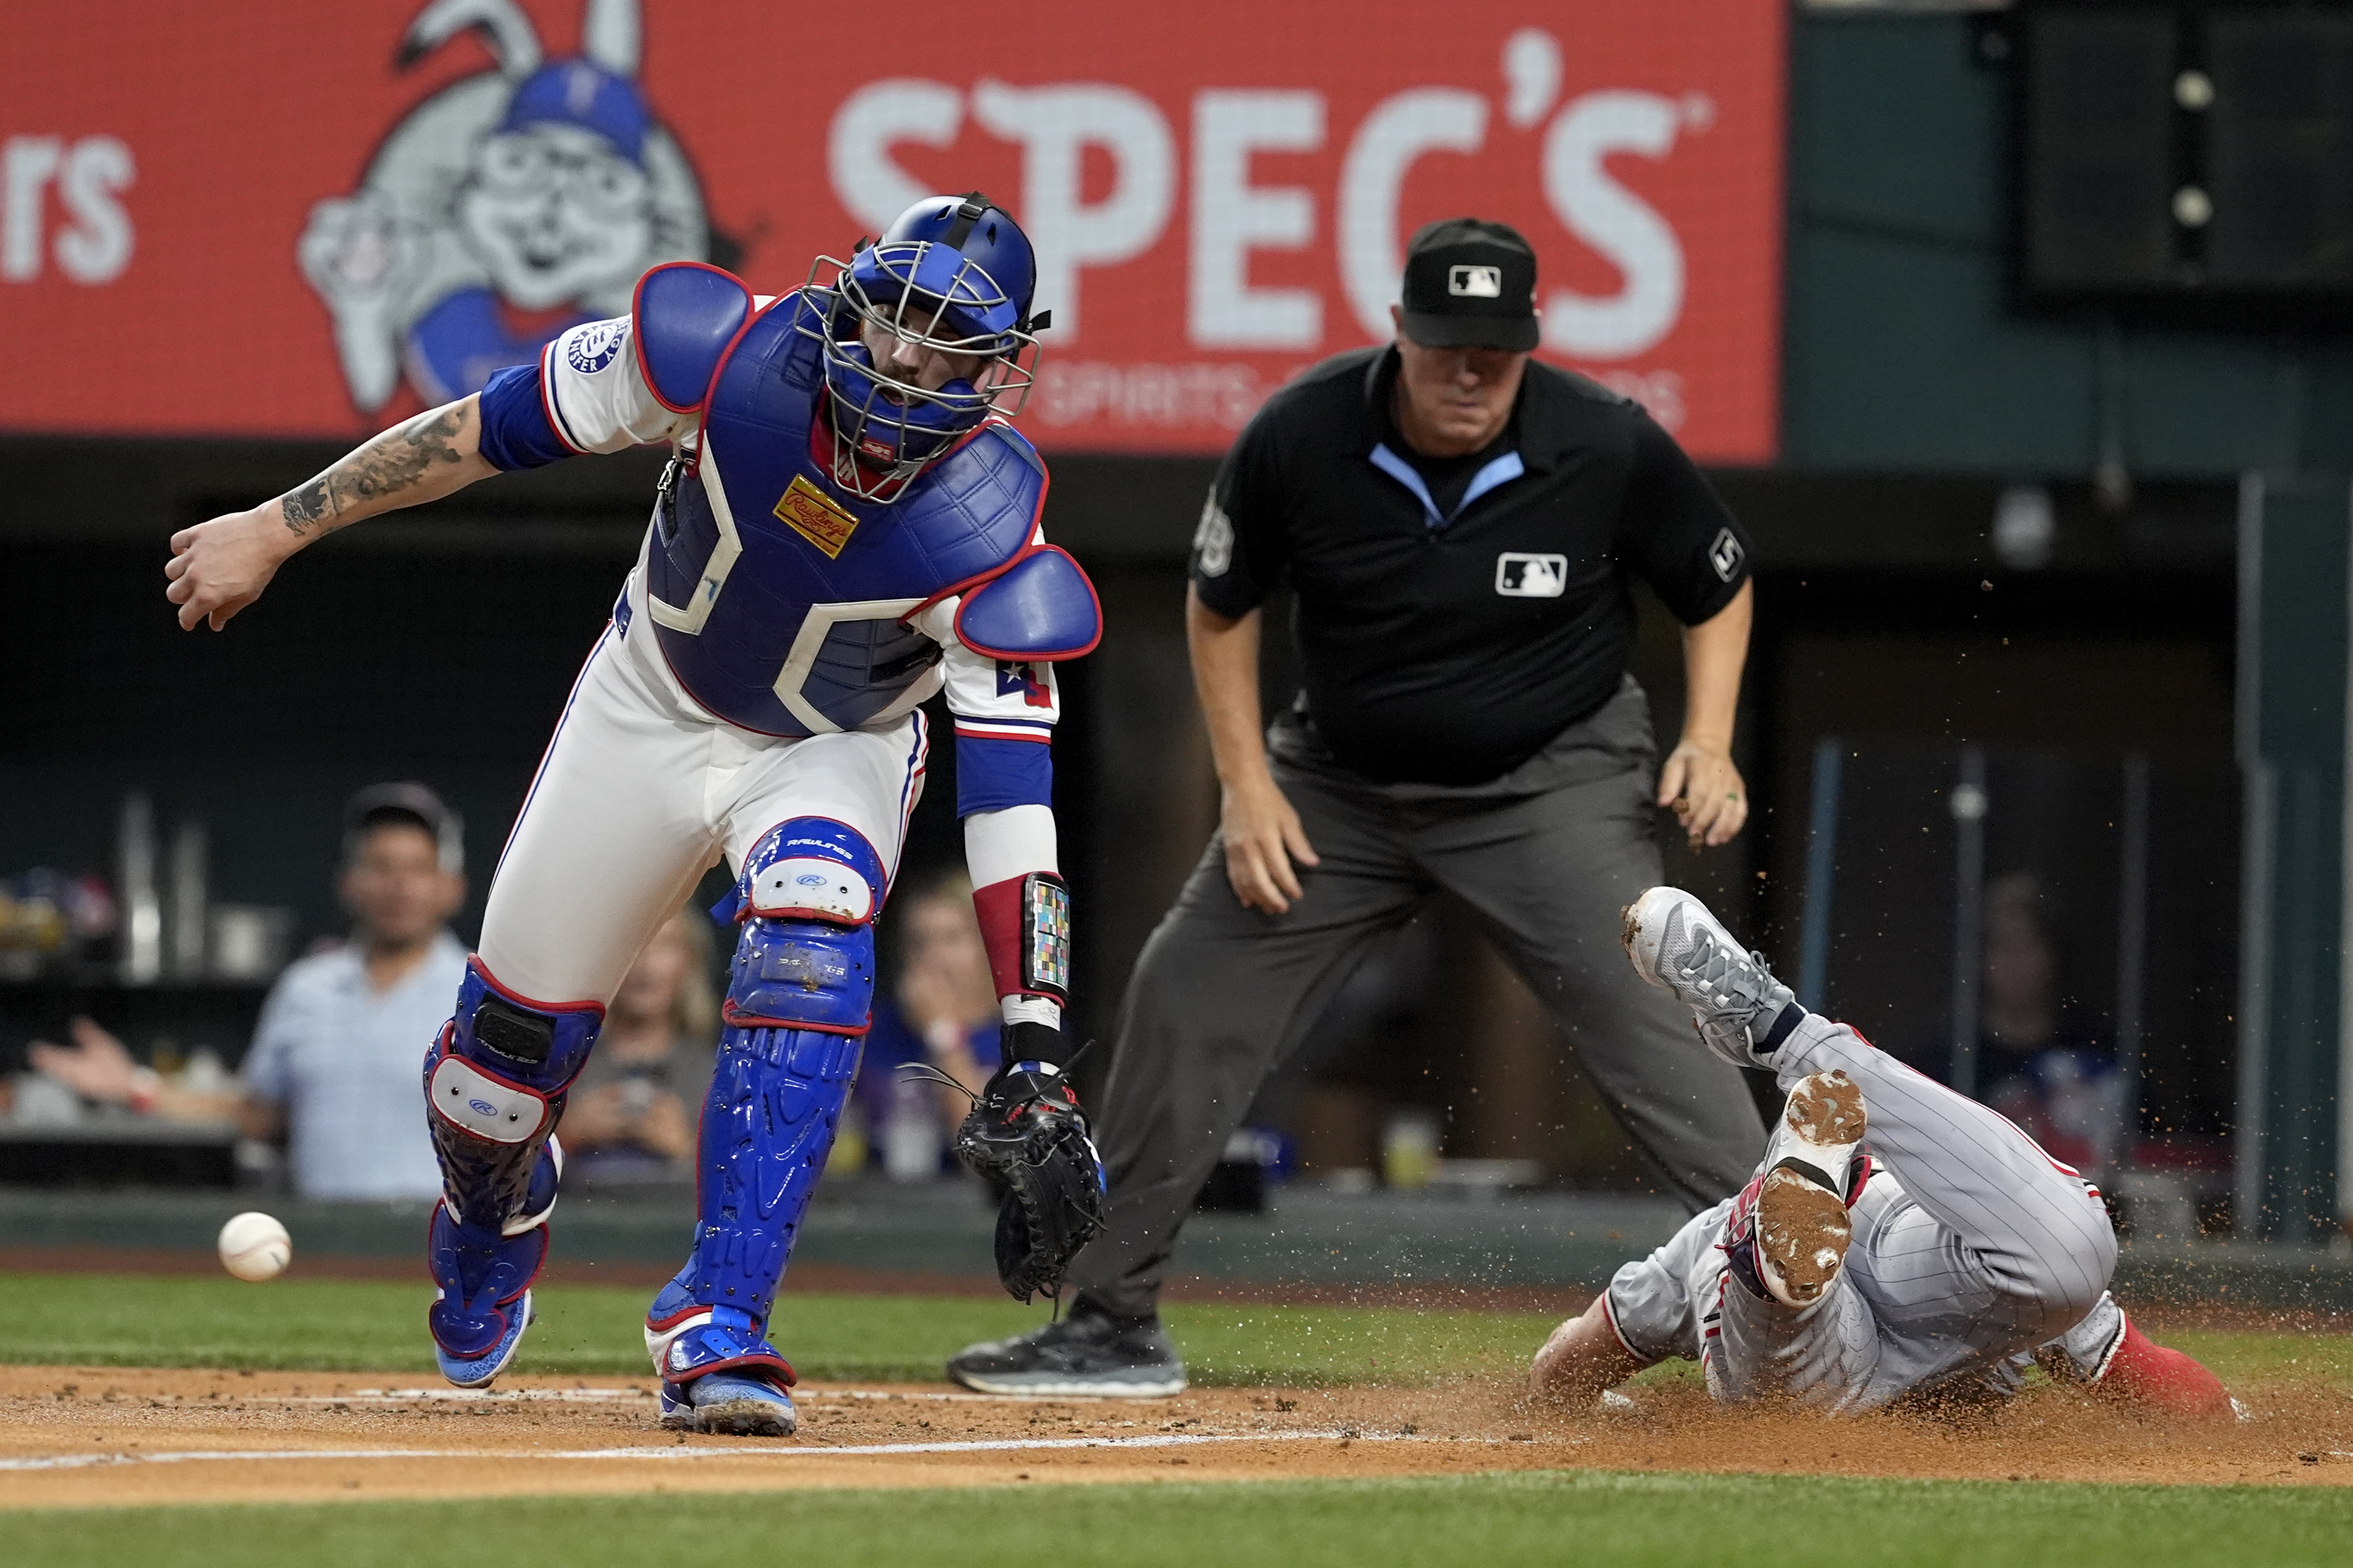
(507, 207)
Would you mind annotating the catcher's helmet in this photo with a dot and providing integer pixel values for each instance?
(953, 274)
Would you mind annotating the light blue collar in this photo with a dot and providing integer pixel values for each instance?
(1502, 471)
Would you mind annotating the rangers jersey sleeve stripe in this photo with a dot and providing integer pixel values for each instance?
(995, 774)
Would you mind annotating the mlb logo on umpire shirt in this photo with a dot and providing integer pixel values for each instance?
(1520, 576)
(1475, 282)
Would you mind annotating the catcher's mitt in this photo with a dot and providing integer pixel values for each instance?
(1027, 1136)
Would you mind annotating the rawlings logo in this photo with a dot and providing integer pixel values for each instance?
(816, 517)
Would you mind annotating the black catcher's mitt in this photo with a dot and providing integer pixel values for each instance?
(1027, 1136)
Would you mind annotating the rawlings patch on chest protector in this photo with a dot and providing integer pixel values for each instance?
(816, 517)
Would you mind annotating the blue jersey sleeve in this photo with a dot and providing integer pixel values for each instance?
(994, 774)
(516, 430)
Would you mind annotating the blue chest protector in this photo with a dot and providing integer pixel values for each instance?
(779, 601)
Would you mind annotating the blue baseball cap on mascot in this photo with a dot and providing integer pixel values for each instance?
(586, 95)
(953, 274)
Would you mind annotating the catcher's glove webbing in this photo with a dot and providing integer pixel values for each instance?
(1027, 1136)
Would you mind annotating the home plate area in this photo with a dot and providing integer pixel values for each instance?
(116, 1435)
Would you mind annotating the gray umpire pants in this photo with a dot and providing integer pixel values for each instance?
(1547, 856)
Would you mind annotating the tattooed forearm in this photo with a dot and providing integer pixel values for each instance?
(392, 463)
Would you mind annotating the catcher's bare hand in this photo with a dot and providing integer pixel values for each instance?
(1264, 836)
(218, 568)
(1709, 799)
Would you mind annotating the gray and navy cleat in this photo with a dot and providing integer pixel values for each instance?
(1741, 1011)
(1794, 1211)
(747, 1403)
(1089, 1352)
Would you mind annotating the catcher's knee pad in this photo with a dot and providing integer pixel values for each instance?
(494, 1085)
(495, 1081)
(804, 906)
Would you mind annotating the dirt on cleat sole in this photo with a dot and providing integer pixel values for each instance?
(1802, 1232)
(1826, 1109)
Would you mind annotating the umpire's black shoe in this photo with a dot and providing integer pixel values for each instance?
(1090, 1351)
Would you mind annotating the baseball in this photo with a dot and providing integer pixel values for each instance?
(253, 1245)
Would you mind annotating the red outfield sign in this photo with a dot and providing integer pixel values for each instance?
(321, 217)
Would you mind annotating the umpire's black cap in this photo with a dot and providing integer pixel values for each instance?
(409, 803)
(1471, 284)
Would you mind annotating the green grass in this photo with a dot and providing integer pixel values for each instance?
(1493, 1520)
(342, 1325)
(2271, 1357)
(345, 1325)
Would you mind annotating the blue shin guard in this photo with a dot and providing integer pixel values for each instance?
(797, 1009)
(495, 1081)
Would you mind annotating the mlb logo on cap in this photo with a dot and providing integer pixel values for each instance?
(1470, 284)
(1476, 282)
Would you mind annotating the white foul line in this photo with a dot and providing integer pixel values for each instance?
(980, 1446)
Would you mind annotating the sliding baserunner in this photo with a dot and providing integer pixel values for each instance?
(1897, 1238)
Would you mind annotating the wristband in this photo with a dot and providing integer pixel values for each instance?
(146, 1083)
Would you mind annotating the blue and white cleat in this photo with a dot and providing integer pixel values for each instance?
(483, 1304)
(747, 1403)
(719, 1371)
(478, 1370)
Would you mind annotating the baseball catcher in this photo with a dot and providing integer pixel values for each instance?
(847, 526)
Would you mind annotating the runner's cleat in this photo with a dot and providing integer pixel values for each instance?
(1741, 1011)
(1790, 1225)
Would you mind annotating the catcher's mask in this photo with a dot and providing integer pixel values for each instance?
(953, 274)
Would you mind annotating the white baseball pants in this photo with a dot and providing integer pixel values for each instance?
(640, 793)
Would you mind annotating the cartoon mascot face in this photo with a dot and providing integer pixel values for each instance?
(504, 209)
(557, 204)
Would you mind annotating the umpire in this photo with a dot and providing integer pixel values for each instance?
(1457, 523)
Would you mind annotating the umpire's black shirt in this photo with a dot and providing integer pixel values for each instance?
(1449, 624)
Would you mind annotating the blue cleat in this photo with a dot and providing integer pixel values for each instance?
(747, 1403)
(477, 1371)
(719, 1372)
(483, 1304)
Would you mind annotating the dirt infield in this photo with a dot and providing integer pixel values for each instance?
(116, 1435)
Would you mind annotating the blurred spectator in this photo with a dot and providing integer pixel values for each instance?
(944, 1011)
(2037, 1065)
(635, 1107)
(336, 1066)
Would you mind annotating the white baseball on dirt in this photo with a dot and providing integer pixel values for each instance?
(253, 1245)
